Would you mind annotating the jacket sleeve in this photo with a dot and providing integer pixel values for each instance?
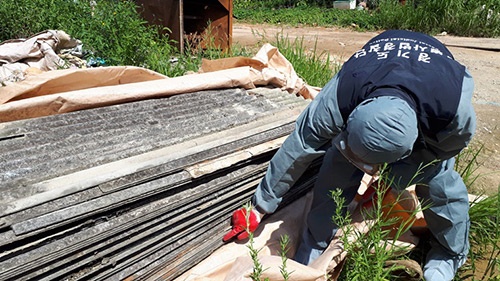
(314, 130)
(459, 132)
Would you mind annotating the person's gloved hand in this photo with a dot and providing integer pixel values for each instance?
(239, 222)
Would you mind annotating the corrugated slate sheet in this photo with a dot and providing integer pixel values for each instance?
(141, 190)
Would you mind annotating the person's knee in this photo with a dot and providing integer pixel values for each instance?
(451, 232)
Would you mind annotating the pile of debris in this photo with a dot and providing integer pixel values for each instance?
(134, 189)
(112, 173)
(45, 51)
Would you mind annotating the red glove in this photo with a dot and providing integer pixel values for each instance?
(239, 222)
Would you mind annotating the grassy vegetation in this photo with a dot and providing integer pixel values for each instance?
(314, 67)
(111, 29)
(479, 18)
(375, 251)
(369, 251)
(484, 257)
(268, 12)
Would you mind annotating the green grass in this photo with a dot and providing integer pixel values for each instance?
(111, 30)
(306, 15)
(484, 257)
(315, 69)
(463, 18)
(373, 251)
(480, 18)
(467, 164)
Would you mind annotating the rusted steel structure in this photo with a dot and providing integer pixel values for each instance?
(189, 22)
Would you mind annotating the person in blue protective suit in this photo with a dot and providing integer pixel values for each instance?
(402, 100)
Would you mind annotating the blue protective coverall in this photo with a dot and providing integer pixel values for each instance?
(420, 70)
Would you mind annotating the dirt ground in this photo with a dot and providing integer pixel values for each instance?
(480, 55)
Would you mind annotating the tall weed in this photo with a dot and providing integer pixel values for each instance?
(315, 68)
(484, 256)
(257, 269)
(372, 251)
(467, 163)
(464, 18)
(306, 15)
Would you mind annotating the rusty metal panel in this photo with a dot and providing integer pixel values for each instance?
(192, 21)
(208, 18)
(166, 13)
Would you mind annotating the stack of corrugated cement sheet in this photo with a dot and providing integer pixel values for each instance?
(135, 190)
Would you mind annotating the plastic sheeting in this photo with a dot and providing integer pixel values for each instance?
(62, 91)
(273, 68)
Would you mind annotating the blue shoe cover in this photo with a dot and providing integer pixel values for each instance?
(442, 266)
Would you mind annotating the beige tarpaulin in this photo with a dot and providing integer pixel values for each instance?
(40, 51)
(67, 80)
(273, 67)
(61, 91)
(232, 261)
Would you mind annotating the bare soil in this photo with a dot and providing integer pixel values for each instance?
(480, 55)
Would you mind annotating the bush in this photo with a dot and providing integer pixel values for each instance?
(305, 15)
(479, 18)
(110, 29)
(464, 18)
